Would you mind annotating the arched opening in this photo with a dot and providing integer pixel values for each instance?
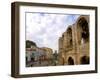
(84, 60)
(83, 30)
(70, 61)
(70, 41)
(69, 37)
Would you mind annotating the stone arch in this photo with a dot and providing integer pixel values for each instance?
(84, 60)
(70, 61)
(82, 30)
(69, 37)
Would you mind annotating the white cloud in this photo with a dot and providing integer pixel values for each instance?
(45, 29)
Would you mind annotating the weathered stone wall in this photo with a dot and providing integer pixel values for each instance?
(72, 44)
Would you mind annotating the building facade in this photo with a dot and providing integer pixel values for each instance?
(35, 53)
(48, 51)
(74, 43)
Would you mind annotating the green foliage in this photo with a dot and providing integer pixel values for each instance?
(30, 43)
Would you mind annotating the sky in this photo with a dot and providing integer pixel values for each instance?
(45, 28)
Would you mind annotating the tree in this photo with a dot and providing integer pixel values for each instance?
(30, 43)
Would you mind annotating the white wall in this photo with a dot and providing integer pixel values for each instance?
(5, 40)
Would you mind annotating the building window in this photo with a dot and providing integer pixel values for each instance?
(32, 59)
(26, 59)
